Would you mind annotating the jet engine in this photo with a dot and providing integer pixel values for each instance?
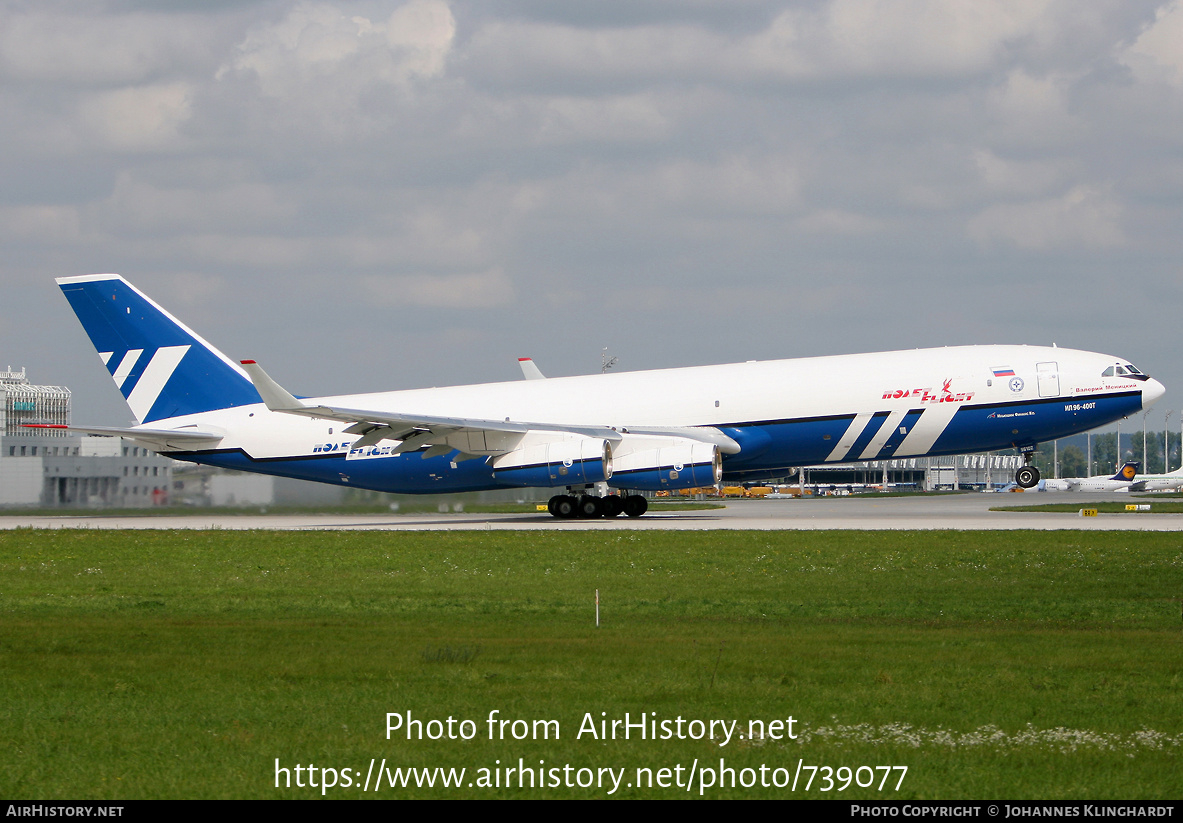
(653, 463)
(546, 458)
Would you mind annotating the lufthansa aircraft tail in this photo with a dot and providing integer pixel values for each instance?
(1128, 471)
(161, 366)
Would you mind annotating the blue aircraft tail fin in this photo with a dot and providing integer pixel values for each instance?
(1127, 472)
(162, 367)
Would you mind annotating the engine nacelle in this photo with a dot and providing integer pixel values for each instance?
(654, 463)
(545, 458)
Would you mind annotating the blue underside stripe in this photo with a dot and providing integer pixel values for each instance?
(781, 446)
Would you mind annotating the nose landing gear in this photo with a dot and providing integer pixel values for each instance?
(1027, 477)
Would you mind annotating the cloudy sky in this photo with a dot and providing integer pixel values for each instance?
(381, 195)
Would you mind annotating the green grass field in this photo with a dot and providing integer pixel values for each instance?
(992, 665)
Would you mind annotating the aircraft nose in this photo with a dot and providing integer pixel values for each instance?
(1151, 391)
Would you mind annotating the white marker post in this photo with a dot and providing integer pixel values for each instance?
(597, 608)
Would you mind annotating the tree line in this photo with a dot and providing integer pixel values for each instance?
(1106, 460)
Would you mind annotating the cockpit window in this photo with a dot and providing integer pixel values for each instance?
(1125, 370)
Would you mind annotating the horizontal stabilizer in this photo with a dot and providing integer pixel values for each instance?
(158, 440)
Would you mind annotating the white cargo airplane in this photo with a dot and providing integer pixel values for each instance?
(591, 435)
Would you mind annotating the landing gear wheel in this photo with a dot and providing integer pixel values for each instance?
(613, 505)
(1027, 477)
(589, 507)
(562, 506)
(635, 505)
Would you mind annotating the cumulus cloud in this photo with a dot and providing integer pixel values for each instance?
(548, 55)
(566, 119)
(1084, 217)
(89, 49)
(627, 165)
(140, 118)
(1010, 177)
(733, 185)
(56, 224)
(839, 222)
(1033, 110)
(139, 206)
(317, 40)
(474, 290)
(841, 38)
(1157, 54)
(893, 37)
(727, 188)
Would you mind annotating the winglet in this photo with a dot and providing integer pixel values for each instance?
(530, 369)
(274, 395)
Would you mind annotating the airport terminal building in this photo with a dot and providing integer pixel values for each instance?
(956, 472)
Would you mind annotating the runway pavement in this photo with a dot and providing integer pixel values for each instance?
(960, 512)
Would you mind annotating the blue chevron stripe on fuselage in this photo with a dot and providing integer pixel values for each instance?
(974, 428)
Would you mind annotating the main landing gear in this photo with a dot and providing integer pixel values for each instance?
(1027, 477)
(587, 506)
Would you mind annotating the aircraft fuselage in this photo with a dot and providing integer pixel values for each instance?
(782, 413)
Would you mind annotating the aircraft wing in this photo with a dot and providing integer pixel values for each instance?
(400, 423)
(471, 437)
(158, 440)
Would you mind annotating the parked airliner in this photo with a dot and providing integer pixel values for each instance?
(590, 437)
(1170, 481)
(1097, 483)
(1126, 479)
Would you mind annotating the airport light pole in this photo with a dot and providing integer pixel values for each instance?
(1166, 442)
(1117, 447)
(1145, 457)
(1088, 469)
